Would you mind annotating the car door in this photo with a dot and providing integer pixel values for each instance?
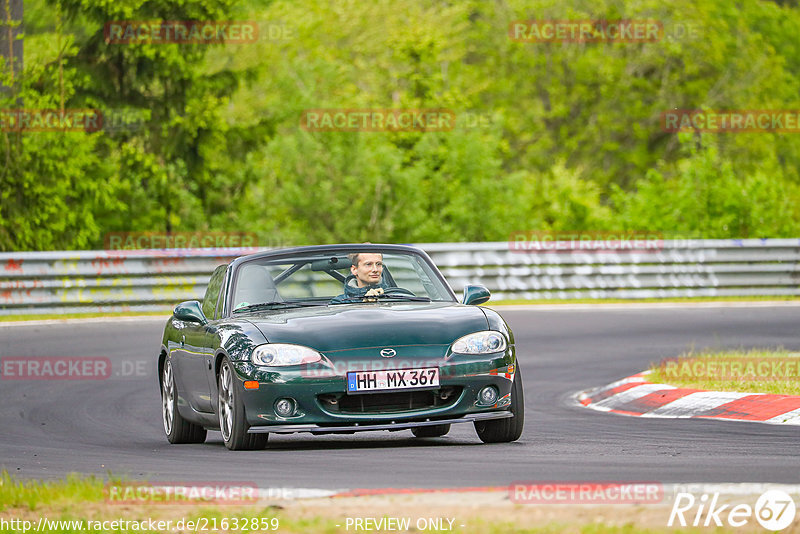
(197, 352)
(212, 340)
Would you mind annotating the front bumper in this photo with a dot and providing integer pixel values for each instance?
(312, 388)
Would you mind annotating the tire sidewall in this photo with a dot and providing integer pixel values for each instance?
(237, 414)
(508, 429)
(239, 438)
(173, 433)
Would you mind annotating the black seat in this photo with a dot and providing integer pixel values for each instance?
(254, 286)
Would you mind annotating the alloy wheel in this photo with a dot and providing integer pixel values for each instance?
(225, 401)
(167, 398)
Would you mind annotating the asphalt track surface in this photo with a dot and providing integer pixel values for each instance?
(53, 427)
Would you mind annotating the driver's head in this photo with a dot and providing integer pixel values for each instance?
(367, 267)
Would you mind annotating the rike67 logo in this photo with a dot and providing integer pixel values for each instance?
(774, 510)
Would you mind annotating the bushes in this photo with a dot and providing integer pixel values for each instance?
(569, 136)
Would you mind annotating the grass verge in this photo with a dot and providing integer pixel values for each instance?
(55, 316)
(763, 370)
(79, 504)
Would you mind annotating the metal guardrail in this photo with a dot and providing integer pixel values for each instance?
(152, 280)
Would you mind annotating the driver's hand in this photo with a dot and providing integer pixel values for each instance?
(374, 292)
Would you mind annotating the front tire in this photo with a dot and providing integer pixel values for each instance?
(508, 429)
(177, 429)
(432, 431)
(232, 420)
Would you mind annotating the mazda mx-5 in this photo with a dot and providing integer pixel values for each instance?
(337, 339)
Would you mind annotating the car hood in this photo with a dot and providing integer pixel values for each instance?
(352, 326)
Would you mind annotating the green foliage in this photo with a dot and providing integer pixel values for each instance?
(567, 137)
(53, 185)
(703, 194)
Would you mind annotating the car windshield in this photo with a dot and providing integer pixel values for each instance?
(336, 278)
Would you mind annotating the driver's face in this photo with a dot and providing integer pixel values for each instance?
(369, 269)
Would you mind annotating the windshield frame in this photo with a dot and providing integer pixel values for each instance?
(286, 254)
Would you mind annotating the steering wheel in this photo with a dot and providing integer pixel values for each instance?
(397, 291)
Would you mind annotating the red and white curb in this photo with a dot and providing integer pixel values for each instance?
(638, 397)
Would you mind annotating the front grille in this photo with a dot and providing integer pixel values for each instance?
(399, 401)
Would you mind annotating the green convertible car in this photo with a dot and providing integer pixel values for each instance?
(337, 339)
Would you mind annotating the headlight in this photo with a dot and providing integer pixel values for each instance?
(485, 342)
(278, 354)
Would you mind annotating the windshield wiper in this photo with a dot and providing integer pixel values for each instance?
(374, 298)
(404, 297)
(274, 305)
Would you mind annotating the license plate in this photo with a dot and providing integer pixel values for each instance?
(392, 379)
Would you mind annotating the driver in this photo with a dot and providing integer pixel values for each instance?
(366, 277)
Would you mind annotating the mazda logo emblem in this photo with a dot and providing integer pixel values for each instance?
(388, 353)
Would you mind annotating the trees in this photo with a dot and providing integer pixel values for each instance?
(568, 136)
(66, 189)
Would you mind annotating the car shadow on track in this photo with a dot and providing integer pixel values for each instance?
(349, 442)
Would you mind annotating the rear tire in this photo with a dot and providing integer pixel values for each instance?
(177, 429)
(509, 429)
(232, 420)
(432, 431)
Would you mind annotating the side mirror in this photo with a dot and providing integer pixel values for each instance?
(190, 311)
(476, 294)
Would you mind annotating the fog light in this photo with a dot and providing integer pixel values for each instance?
(487, 395)
(285, 407)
